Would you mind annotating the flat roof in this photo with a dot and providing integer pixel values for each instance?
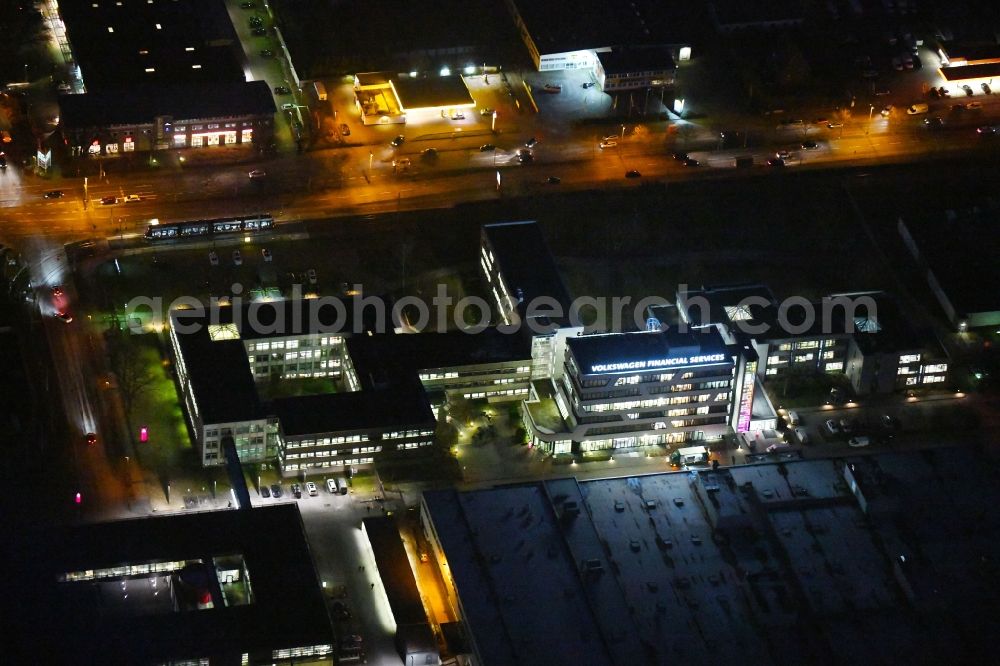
(121, 44)
(398, 358)
(142, 103)
(558, 26)
(740, 12)
(289, 318)
(220, 374)
(394, 570)
(624, 61)
(961, 247)
(402, 406)
(724, 565)
(526, 263)
(963, 72)
(645, 351)
(287, 608)
(432, 92)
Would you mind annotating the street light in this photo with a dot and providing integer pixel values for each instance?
(871, 110)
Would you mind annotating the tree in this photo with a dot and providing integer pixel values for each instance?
(24, 32)
(134, 376)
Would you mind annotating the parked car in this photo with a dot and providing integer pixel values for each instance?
(109, 201)
(986, 88)
(339, 611)
(553, 88)
(282, 90)
(890, 421)
(858, 442)
(792, 417)
(311, 275)
(608, 143)
(267, 53)
(487, 147)
(345, 130)
(429, 154)
(276, 490)
(258, 32)
(486, 112)
(237, 258)
(846, 426)
(311, 489)
(297, 491)
(530, 143)
(974, 106)
(257, 173)
(933, 123)
(831, 428)
(331, 486)
(265, 492)
(213, 258)
(587, 85)
(800, 435)
(457, 115)
(968, 90)
(266, 254)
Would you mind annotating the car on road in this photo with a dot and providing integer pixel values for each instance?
(213, 258)
(487, 147)
(886, 111)
(587, 85)
(331, 486)
(809, 145)
(57, 291)
(889, 421)
(132, 198)
(530, 143)
(524, 155)
(608, 143)
(782, 154)
(553, 180)
(3, 161)
(265, 492)
(933, 123)
(248, 5)
(882, 91)
(691, 162)
(398, 141)
(282, 90)
(256, 22)
(986, 130)
(858, 442)
(344, 129)
(91, 438)
(287, 106)
(552, 88)
(831, 428)
(237, 258)
(834, 125)
(776, 162)
(986, 88)
(311, 276)
(680, 157)
(968, 90)
(266, 254)
(258, 32)
(54, 194)
(65, 316)
(276, 490)
(311, 489)
(486, 111)
(633, 173)
(109, 201)
(267, 53)
(297, 491)
(257, 173)
(429, 154)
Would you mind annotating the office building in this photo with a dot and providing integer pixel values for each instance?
(635, 69)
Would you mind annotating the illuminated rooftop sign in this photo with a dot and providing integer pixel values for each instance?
(656, 363)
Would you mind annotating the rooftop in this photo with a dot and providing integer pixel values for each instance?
(986, 70)
(717, 566)
(403, 406)
(142, 103)
(220, 376)
(432, 92)
(398, 358)
(524, 260)
(624, 61)
(647, 350)
(744, 12)
(961, 248)
(558, 26)
(125, 43)
(281, 605)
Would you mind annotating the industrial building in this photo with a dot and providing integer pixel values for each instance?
(158, 76)
(194, 588)
(820, 561)
(383, 98)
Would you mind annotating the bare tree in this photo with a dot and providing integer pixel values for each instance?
(134, 376)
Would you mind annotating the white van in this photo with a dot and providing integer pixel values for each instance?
(918, 108)
(792, 418)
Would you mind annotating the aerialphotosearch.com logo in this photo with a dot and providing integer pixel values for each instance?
(299, 315)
